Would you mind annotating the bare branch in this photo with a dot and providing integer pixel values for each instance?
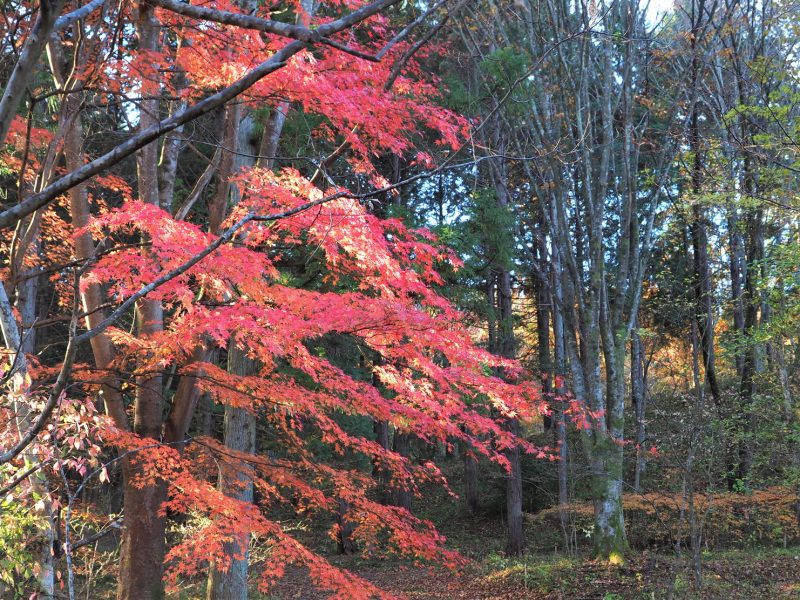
(84, 11)
(24, 69)
(52, 401)
(203, 13)
(91, 539)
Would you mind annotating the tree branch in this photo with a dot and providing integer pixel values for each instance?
(84, 11)
(275, 62)
(90, 539)
(24, 69)
(203, 13)
(22, 477)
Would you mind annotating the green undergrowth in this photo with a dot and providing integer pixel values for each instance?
(757, 573)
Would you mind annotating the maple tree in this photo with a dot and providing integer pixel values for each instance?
(201, 279)
(266, 266)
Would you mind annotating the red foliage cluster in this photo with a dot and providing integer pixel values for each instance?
(378, 290)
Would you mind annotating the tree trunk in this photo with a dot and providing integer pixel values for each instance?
(401, 496)
(561, 420)
(143, 543)
(737, 273)
(688, 474)
(345, 541)
(504, 344)
(240, 435)
(16, 86)
(471, 494)
(543, 311)
(239, 424)
(26, 304)
(268, 148)
(639, 398)
(703, 287)
(506, 348)
(609, 524)
(516, 530)
(18, 346)
(381, 429)
(751, 364)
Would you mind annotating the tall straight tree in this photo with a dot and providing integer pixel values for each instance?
(578, 106)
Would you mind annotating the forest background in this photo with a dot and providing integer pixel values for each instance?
(291, 288)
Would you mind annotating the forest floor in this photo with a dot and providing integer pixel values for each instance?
(752, 574)
(763, 574)
(741, 575)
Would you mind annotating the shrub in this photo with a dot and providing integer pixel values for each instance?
(765, 517)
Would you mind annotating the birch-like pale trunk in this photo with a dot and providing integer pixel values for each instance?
(639, 399)
(599, 223)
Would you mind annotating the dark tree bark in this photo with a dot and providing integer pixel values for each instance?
(345, 541)
(471, 493)
(752, 357)
(738, 268)
(382, 436)
(703, 285)
(543, 314)
(516, 531)
(402, 496)
(505, 345)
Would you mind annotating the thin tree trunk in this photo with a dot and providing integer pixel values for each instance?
(703, 295)
(17, 84)
(171, 150)
(694, 532)
(92, 296)
(268, 148)
(561, 420)
(381, 429)
(471, 493)
(143, 543)
(516, 531)
(18, 346)
(543, 347)
(703, 287)
(26, 304)
(751, 366)
(543, 312)
(505, 346)
(639, 398)
(737, 273)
